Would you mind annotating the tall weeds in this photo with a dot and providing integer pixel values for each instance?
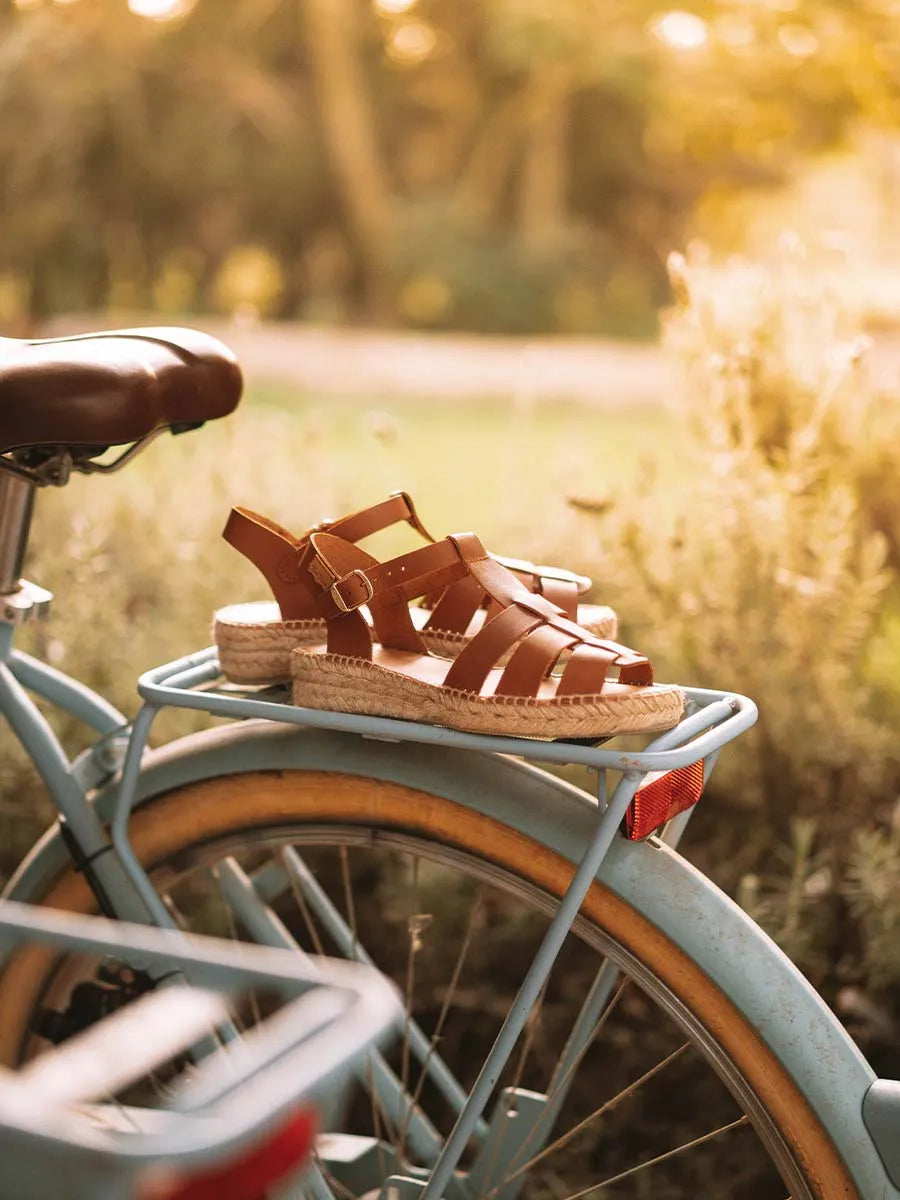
(774, 572)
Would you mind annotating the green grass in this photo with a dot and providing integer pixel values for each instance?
(500, 469)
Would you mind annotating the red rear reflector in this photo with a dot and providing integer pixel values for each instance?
(662, 796)
(264, 1166)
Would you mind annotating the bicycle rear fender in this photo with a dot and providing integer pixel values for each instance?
(783, 1008)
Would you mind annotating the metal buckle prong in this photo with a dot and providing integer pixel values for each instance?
(339, 600)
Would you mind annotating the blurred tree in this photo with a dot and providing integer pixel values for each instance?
(502, 164)
(345, 116)
(125, 141)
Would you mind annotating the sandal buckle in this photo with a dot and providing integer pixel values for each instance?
(337, 597)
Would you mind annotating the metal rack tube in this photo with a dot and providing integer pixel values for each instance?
(530, 990)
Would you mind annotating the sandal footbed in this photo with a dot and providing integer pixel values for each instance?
(255, 645)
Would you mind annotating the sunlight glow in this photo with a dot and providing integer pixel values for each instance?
(798, 40)
(680, 30)
(412, 42)
(735, 30)
(160, 10)
(392, 7)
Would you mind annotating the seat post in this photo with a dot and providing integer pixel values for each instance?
(16, 507)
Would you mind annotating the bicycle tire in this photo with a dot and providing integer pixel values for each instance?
(233, 810)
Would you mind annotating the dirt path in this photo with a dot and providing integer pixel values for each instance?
(380, 364)
(350, 362)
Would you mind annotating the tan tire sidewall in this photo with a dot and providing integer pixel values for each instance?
(219, 807)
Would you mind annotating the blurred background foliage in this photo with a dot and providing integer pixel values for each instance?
(495, 165)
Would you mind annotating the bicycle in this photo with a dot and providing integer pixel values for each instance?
(223, 1123)
(454, 836)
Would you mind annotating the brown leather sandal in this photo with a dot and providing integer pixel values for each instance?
(395, 676)
(255, 640)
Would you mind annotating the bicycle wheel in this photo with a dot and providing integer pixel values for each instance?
(677, 1095)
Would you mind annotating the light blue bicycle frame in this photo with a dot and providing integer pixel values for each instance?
(334, 1011)
(859, 1112)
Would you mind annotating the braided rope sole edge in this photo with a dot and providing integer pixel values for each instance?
(343, 684)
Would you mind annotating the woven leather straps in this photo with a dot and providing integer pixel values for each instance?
(535, 631)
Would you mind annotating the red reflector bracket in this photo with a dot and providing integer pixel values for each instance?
(662, 796)
(251, 1175)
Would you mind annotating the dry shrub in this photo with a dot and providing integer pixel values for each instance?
(872, 888)
(772, 572)
(775, 592)
(768, 577)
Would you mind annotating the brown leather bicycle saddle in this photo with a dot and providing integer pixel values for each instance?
(112, 388)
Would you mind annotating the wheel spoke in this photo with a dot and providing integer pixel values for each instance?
(573, 1066)
(348, 899)
(417, 922)
(337, 1188)
(475, 911)
(534, 1018)
(126, 1114)
(233, 934)
(376, 1117)
(297, 893)
(606, 1107)
(650, 1162)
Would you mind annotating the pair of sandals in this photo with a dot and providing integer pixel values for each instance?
(526, 658)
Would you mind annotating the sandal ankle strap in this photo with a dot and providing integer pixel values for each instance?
(279, 556)
(398, 507)
(281, 559)
(352, 578)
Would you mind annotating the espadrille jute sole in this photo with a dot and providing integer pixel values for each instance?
(255, 646)
(351, 685)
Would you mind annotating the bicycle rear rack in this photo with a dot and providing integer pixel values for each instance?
(712, 719)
